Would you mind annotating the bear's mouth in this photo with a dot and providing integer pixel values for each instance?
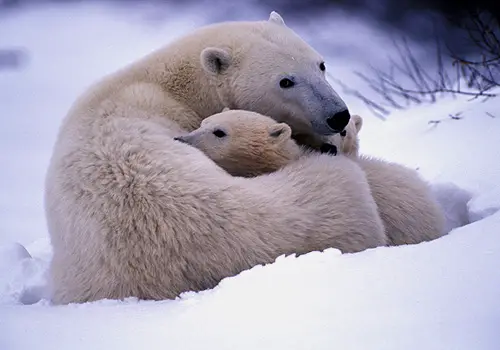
(322, 128)
(328, 148)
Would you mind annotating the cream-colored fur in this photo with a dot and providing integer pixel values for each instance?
(405, 201)
(132, 212)
(245, 143)
(250, 144)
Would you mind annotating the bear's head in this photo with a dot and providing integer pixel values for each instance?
(244, 143)
(275, 73)
(347, 142)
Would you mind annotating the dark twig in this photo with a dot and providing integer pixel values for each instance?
(481, 74)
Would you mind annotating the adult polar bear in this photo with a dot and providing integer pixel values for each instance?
(131, 212)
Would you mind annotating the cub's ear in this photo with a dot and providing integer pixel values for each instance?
(279, 132)
(276, 18)
(215, 60)
(358, 122)
(226, 109)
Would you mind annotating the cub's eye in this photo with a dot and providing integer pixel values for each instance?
(219, 133)
(343, 133)
(322, 66)
(286, 83)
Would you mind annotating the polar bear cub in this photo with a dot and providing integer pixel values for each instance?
(406, 204)
(244, 143)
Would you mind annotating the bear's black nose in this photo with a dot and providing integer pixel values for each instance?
(339, 121)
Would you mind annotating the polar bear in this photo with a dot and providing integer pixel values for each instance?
(132, 212)
(407, 206)
(245, 143)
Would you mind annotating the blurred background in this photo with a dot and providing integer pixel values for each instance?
(381, 55)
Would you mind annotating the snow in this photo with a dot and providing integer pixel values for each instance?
(438, 295)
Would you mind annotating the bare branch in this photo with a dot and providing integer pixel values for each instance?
(481, 73)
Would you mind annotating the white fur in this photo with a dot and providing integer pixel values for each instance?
(251, 144)
(406, 203)
(131, 212)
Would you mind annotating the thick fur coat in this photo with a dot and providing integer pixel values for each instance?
(245, 143)
(132, 212)
(406, 204)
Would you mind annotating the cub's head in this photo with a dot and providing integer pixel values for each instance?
(347, 142)
(267, 68)
(244, 143)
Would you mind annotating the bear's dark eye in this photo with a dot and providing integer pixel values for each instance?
(286, 83)
(343, 133)
(322, 66)
(219, 133)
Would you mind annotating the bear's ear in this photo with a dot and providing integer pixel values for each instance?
(276, 18)
(226, 109)
(215, 60)
(358, 122)
(279, 132)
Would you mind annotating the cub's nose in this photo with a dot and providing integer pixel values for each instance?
(339, 121)
(180, 139)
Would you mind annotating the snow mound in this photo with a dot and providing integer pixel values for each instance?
(22, 277)
(437, 295)
(484, 205)
(455, 204)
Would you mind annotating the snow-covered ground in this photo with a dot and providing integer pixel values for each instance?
(438, 295)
